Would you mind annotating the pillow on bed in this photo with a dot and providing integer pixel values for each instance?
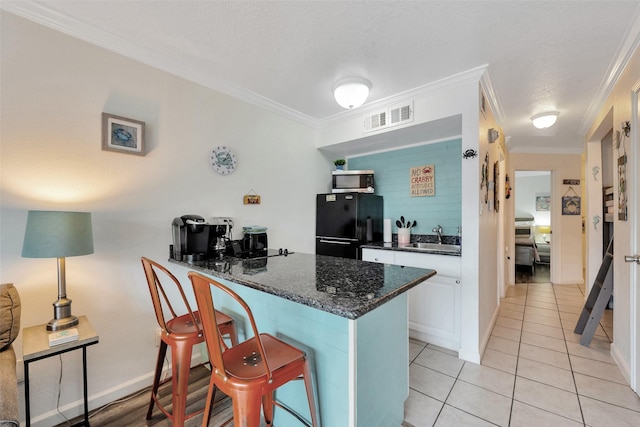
(9, 314)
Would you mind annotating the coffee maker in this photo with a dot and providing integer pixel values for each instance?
(192, 238)
(221, 230)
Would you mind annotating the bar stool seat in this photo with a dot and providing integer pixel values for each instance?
(251, 371)
(181, 333)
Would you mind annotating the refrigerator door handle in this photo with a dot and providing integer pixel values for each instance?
(334, 242)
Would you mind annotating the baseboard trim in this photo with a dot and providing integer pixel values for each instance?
(470, 356)
(487, 333)
(434, 339)
(101, 398)
(625, 369)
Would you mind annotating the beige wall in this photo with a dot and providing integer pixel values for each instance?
(489, 248)
(54, 89)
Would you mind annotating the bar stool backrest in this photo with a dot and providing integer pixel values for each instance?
(161, 303)
(202, 289)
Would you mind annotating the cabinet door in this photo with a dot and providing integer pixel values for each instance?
(434, 311)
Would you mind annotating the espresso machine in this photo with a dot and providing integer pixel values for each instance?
(193, 239)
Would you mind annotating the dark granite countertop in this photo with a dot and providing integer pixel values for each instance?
(345, 287)
(394, 247)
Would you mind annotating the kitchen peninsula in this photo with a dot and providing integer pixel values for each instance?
(349, 316)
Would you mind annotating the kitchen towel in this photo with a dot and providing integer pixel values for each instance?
(387, 231)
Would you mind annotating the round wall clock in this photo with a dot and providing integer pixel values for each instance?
(223, 160)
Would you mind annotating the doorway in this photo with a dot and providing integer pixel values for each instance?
(533, 226)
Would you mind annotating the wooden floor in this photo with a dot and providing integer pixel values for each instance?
(131, 411)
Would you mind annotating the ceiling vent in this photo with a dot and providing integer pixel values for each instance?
(388, 117)
(375, 121)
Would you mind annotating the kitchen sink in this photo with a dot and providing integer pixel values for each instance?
(434, 247)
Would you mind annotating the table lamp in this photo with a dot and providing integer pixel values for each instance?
(52, 234)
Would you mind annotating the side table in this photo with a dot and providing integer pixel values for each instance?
(35, 346)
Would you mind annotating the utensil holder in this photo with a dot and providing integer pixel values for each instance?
(404, 236)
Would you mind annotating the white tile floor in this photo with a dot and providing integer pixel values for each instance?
(534, 371)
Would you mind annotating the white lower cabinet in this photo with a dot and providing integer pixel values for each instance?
(434, 312)
(434, 305)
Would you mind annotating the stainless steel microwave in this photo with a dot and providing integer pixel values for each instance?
(356, 181)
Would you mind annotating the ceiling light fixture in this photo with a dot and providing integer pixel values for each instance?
(545, 120)
(351, 92)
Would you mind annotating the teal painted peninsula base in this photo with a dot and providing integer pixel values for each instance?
(357, 342)
(360, 365)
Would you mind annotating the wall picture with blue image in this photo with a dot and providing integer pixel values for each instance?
(122, 134)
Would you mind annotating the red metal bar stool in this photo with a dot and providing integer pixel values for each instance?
(251, 371)
(181, 333)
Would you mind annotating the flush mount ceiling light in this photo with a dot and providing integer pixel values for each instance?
(351, 92)
(545, 120)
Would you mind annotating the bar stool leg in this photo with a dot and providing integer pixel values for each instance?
(181, 364)
(267, 408)
(162, 352)
(308, 385)
(233, 334)
(246, 408)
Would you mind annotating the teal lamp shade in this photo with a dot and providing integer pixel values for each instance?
(53, 234)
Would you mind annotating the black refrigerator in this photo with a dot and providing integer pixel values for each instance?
(344, 221)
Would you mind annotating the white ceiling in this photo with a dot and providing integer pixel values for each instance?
(285, 55)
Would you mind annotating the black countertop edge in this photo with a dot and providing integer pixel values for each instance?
(394, 247)
(350, 307)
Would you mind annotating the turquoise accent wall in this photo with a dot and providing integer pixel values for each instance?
(392, 182)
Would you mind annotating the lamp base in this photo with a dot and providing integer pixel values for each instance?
(59, 324)
(62, 317)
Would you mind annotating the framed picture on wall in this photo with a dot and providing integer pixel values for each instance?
(543, 202)
(122, 134)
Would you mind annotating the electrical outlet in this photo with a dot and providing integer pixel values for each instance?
(158, 333)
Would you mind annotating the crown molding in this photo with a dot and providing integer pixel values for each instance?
(628, 46)
(42, 14)
(492, 98)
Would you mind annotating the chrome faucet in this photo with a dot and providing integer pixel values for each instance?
(438, 230)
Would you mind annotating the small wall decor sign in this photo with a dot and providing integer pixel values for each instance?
(122, 134)
(571, 181)
(496, 181)
(622, 187)
(251, 198)
(422, 181)
(570, 203)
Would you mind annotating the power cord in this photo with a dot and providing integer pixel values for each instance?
(66, 420)
(131, 396)
(115, 402)
(107, 405)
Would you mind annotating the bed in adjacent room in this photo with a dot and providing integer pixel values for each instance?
(526, 251)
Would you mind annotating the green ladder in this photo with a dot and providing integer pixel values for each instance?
(597, 301)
